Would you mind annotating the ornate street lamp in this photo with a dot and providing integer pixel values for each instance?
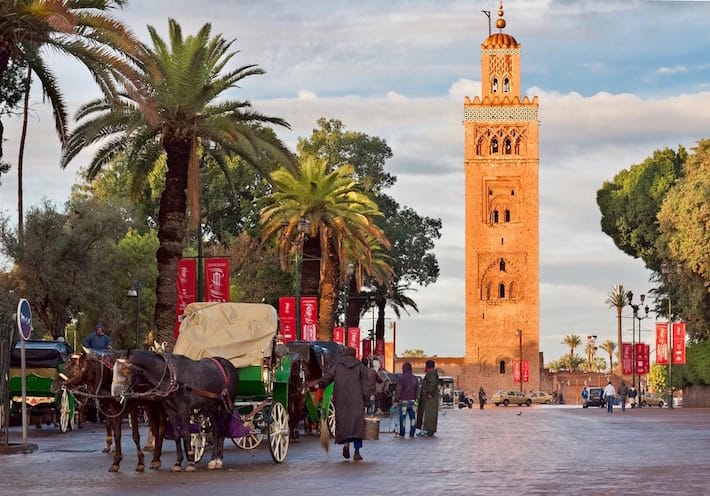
(519, 333)
(135, 292)
(303, 231)
(635, 307)
(665, 270)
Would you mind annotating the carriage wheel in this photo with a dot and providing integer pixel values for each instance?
(198, 443)
(278, 432)
(252, 440)
(331, 417)
(64, 413)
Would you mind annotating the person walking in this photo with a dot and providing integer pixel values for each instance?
(610, 397)
(482, 398)
(97, 340)
(350, 392)
(404, 397)
(585, 396)
(372, 379)
(428, 408)
(623, 391)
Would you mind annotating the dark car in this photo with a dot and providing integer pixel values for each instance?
(596, 397)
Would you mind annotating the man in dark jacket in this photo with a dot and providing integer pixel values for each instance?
(405, 394)
(428, 409)
(349, 396)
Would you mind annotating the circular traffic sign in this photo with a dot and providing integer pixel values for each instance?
(24, 318)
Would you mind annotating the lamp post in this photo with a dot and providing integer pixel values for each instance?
(303, 231)
(635, 307)
(135, 292)
(519, 333)
(665, 270)
(591, 351)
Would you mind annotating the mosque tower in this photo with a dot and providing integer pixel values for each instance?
(501, 163)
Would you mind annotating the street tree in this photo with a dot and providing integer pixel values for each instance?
(618, 299)
(609, 346)
(572, 341)
(180, 105)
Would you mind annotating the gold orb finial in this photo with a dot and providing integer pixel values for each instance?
(500, 22)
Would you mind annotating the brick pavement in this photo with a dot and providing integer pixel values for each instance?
(544, 450)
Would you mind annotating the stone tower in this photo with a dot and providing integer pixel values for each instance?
(501, 163)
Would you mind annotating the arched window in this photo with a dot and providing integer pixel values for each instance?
(494, 145)
(506, 146)
(506, 85)
(501, 367)
(494, 86)
(501, 291)
(488, 291)
(506, 216)
(501, 265)
(495, 216)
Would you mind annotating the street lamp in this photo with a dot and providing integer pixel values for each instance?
(635, 307)
(665, 270)
(591, 351)
(135, 292)
(303, 231)
(519, 333)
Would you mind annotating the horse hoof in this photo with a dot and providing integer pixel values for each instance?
(114, 468)
(140, 468)
(106, 450)
(155, 465)
(214, 464)
(190, 468)
(176, 468)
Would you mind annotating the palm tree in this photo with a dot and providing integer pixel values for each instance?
(79, 28)
(609, 346)
(341, 226)
(618, 299)
(572, 341)
(180, 104)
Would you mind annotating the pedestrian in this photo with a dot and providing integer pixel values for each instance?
(482, 398)
(405, 395)
(610, 397)
(585, 396)
(623, 391)
(97, 340)
(428, 408)
(372, 379)
(632, 396)
(350, 392)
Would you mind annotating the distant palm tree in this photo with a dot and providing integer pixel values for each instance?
(618, 299)
(609, 346)
(572, 341)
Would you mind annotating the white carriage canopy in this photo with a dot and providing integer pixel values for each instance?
(240, 332)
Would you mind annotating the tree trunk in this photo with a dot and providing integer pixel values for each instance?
(171, 237)
(328, 290)
(619, 338)
(21, 161)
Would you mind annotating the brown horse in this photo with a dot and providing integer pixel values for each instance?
(88, 376)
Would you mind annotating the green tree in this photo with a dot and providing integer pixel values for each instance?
(618, 299)
(610, 347)
(341, 222)
(180, 105)
(572, 341)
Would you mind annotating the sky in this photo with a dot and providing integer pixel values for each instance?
(616, 80)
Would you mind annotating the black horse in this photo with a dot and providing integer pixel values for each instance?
(184, 385)
(88, 376)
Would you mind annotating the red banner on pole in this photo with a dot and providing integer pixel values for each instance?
(678, 343)
(339, 335)
(526, 371)
(627, 359)
(186, 289)
(354, 339)
(309, 318)
(640, 352)
(646, 358)
(380, 347)
(662, 343)
(517, 373)
(366, 347)
(217, 279)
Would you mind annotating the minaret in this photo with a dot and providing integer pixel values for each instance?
(501, 163)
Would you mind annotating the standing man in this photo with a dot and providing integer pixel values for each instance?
(610, 397)
(405, 395)
(97, 340)
(349, 395)
(585, 396)
(428, 409)
(623, 391)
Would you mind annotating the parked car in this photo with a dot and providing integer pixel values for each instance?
(506, 397)
(541, 398)
(651, 399)
(596, 397)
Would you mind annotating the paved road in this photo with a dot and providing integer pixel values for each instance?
(545, 450)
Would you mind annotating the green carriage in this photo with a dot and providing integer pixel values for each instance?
(44, 361)
(246, 335)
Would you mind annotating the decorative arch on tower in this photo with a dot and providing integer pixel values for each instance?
(501, 140)
(501, 281)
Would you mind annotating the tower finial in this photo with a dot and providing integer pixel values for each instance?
(500, 22)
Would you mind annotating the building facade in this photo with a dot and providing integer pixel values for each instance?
(501, 164)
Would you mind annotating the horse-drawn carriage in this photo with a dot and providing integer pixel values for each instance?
(44, 361)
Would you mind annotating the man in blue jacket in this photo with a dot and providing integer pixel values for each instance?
(97, 340)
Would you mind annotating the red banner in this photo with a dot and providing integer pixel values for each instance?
(287, 316)
(186, 289)
(380, 347)
(662, 343)
(526, 371)
(678, 343)
(517, 371)
(309, 318)
(354, 339)
(627, 359)
(339, 335)
(639, 356)
(366, 348)
(217, 279)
